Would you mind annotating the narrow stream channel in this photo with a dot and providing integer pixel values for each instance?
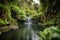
(31, 35)
(26, 33)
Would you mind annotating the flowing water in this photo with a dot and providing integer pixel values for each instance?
(32, 35)
(25, 33)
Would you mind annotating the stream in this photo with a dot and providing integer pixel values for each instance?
(29, 32)
(31, 35)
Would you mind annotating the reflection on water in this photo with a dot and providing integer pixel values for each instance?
(26, 33)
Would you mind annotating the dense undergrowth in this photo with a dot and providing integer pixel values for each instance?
(50, 33)
(47, 13)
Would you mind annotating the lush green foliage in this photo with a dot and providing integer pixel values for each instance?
(47, 13)
(49, 33)
(16, 10)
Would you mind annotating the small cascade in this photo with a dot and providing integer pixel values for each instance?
(28, 22)
(31, 35)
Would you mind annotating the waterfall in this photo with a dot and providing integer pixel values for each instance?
(31, 35)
